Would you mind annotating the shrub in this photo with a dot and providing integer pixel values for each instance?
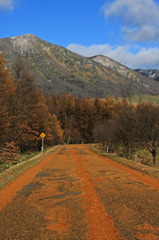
(9, 153)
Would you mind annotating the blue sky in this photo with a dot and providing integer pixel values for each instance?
(125, 30)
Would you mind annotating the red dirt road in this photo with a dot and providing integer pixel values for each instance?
(76, 194)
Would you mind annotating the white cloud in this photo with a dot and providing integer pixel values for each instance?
(145, 34)
(144, 58)
(6, 4)
(91, 50)
(139, 18)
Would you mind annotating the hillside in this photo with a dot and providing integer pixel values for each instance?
(59, 70)
(151, 73)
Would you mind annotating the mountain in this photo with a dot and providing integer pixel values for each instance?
(59, 70)
(151, 73)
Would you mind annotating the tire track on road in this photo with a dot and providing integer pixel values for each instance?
(100, 225)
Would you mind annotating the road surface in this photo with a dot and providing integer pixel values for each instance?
(76, 194)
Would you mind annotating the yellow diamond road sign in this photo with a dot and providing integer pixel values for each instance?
(42, 135)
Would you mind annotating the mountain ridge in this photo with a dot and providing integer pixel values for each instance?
(151, 73)
(59, 70)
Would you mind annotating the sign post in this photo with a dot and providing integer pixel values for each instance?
(107, 148)
(42, 136)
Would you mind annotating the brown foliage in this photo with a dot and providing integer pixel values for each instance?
(9, 153)
(24, 114)
(57, 132)
(79, 115)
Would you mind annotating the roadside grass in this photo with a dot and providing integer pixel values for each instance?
(146, 98)
(136, 99)
(135, 163)
(10, 172)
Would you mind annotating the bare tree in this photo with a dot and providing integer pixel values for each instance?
(124, 130)
(100, 133)
(148, 127)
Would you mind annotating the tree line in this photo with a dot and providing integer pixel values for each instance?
(133, 128)
(26, 112)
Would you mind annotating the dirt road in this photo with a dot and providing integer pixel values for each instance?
(75, 194)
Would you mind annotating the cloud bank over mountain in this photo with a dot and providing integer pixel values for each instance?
(144, 58)
(138, 25)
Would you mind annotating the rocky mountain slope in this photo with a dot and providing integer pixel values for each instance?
(62, 71)
(152, 73)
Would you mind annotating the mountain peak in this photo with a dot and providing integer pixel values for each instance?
(28, 35)
(23, 42)
(106, 61)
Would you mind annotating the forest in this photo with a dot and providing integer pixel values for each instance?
(26, 112)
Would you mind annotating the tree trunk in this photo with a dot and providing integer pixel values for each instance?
(153, 152)
(68, 139)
